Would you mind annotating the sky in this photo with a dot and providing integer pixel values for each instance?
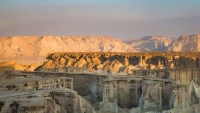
(116, 18)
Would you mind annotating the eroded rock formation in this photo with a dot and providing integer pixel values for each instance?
(123, 62)
(41, 95)
(75, 92)
(98, 82)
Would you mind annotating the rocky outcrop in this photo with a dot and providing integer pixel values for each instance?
(185, 43)
(122, 62)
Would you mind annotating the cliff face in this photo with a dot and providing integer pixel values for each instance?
(123, 62)
(185, 43)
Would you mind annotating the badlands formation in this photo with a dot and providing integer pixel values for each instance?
(158, 82)
(123, 62)
(100, 75)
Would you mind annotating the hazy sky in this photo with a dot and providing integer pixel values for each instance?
(116, 18)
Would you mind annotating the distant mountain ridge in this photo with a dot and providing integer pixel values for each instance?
(151, 43)
(36, 47)
(185, 43)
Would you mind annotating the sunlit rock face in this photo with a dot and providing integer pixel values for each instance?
(122, 62)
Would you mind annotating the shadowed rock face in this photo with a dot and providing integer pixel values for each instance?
(123, 62)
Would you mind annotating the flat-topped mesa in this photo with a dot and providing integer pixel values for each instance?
(123, 62)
